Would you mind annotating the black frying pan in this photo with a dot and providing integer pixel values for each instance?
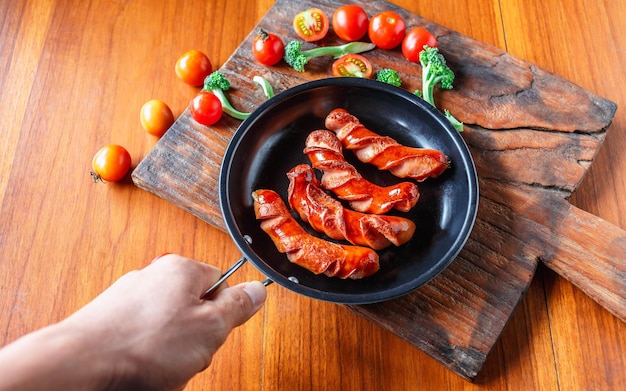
(270, 142)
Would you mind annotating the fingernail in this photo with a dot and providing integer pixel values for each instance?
(162, 255)
(257, 292)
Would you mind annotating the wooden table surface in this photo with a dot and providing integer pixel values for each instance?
(74, 76)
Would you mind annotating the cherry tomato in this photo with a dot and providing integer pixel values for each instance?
(110, 164)
(267, 48)
(414, 41)
(311, 25)
(156, 117)
(192, 67)
(352, 65)
(350, 22)
(206, 108)
(387, 29)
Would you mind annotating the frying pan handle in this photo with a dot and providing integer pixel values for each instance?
(207, 294)
(223, 278)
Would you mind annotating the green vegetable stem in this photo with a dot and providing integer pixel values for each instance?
(436, 71)
(265, 85)
(217, 83)
(298, 58)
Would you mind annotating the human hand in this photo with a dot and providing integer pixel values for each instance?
(153, 326)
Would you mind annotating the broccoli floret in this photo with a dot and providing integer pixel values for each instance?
(436, 71)
(389, 76)
(298, 58)
(216, 80)
(217, 83)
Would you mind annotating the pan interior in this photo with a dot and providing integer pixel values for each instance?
(271, 141)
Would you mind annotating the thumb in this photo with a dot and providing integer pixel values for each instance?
(241, 301)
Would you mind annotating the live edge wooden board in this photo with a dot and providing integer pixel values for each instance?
(532, 135)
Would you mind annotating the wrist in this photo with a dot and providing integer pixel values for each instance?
(106, 365)
(55, 357)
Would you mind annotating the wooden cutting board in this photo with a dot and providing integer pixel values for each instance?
(532, 134)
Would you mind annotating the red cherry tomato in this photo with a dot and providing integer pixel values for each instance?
(414, 42)
(311, 25)
(110, 164)
(192, 67)
(387, 29)
(206, 108)
(352, 65)
(267, 48)
(350, 22)
(156, 117)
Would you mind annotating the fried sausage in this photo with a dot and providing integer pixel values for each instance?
(312, 253)
(327, 215)
(326, 154)
(385, 152)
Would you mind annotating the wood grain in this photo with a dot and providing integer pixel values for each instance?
(515, 112)
(74, 77)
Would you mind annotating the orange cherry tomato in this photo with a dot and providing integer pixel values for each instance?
(311, 25)
(387, 29)
(192, 67)
(352, 65)
(110, 164)
(156, 117)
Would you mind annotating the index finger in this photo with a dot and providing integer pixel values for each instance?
(199, 275)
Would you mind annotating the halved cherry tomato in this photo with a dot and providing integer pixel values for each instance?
(311, 25)
(350, 22)
(414, 41)
(387, 29)
(110, 164)
(192, 67)
(206, 108)
(352, 65)
(156, 117)
(267, 48)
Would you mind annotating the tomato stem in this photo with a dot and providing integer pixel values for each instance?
(96, 178)
(262, 34)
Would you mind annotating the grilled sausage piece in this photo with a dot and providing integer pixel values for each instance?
(312, 253)
(327, 215)
(385, 152)
(326, 154)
